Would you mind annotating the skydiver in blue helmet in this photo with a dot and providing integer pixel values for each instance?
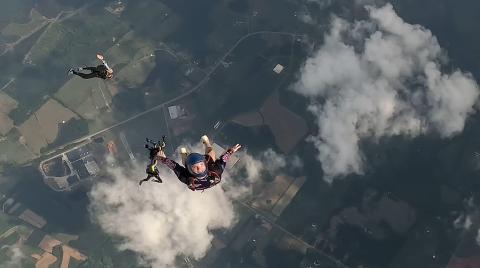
(200, 171)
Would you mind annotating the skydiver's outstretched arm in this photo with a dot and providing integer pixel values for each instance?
(180, 171)
(222, 160)
(176, 167)
(161, 153)
(102, 59)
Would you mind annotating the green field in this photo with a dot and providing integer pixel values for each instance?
(63, 44)
(72, 40)
(21, 29)
(14, 11)
(12, 151)
(6, 222)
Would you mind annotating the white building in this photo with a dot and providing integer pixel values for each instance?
(92, 167)
(176, 112)
(278, 68)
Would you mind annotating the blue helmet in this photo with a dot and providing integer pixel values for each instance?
(193, 159)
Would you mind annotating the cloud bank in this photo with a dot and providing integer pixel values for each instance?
(380, 77)
(164, 221)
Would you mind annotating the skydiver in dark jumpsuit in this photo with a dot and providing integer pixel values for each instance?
(102, 71)
(152, 170)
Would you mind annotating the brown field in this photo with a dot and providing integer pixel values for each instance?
(47, 120)
(36, 256)
(46, 260)
(50, 115)
(33, 218)
(76, 94)
(288, 128)
(288, 196)
(7, 103)
(251, 119)
(68, 253)
(48, 243)
(33, 138)
(65, 238)
(6, 124)
(272, 192)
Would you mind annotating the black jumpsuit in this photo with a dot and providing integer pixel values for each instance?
(100, 71)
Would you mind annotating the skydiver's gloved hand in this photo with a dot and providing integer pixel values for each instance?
(161, 153)
(235, 148)
(109, 70)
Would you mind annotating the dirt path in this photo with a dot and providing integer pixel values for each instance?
(9, 232)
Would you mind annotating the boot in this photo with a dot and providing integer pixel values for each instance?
(183, 154)
(206, 141)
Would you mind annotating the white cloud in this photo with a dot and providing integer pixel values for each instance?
(296, 162)
(159, 221)
(163, 221)
(306, 18)
(273, 161)
(238, 183)
(380, 77)
(369, 2)
(463, 222)
(16, 256)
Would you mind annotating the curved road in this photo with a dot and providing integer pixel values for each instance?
(186, 93)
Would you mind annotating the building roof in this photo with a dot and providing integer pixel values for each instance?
(61, 182)
(91, 166)
(278, 68)
(33, 218)
(174, 111)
